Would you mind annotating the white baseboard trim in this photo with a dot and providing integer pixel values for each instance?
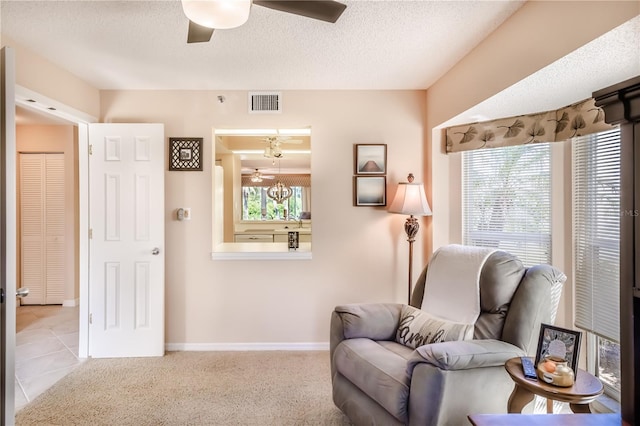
(70, 303)
(321, 346)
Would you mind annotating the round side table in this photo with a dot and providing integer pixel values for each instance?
(586, 388)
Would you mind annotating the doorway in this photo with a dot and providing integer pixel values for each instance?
(47, 321)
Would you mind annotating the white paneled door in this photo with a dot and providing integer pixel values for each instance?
(126, 290)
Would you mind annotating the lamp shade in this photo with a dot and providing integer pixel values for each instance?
(218, 14)
(410, 199)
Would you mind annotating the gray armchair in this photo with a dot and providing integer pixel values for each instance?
(377, 381)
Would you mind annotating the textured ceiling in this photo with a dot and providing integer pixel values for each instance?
(142, 44)
(607, 60)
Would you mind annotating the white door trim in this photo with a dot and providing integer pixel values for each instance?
(8, 240)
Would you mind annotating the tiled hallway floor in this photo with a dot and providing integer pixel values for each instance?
(46, 348)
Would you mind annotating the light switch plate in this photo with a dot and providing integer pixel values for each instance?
(187, 213)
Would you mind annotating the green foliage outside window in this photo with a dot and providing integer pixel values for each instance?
(256, 205)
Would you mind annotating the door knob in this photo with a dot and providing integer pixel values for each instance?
(155, 251)
(22, 292)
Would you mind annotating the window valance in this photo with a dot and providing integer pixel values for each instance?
(579, 119)
(289, 180)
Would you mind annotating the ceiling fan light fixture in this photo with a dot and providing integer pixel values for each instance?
(256, 176)
(218, 14)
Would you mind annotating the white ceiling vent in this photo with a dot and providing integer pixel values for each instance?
(265, 102)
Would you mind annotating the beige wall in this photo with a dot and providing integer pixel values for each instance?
(536, 35)
(359, 253)
(40, 75)
(58, 139)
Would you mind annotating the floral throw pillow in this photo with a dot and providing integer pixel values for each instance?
(417, 328)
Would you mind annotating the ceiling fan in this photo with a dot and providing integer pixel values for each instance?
(274, 150)
(206, 15)
(257, 176)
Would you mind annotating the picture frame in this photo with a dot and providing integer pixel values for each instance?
(370, 159)
(185, 154)
(369, 191)
(570, 338)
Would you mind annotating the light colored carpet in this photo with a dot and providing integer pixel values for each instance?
(192, 388)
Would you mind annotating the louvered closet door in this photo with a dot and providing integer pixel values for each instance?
(42, 234)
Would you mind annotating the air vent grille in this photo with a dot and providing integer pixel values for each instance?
(265, 102)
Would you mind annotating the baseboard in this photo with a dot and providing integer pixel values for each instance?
(322, 346)
(70, 303)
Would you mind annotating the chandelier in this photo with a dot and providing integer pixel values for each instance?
(279, 192)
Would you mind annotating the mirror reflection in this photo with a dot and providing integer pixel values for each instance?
(266, 185)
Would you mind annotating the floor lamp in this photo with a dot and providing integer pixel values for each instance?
(410, 199)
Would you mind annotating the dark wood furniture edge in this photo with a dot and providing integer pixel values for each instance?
(545, 419)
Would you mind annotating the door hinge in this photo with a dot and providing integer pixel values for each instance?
(90, 318)
(90, 233)
(90, 149)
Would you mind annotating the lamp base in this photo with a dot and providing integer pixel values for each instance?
(411, 227)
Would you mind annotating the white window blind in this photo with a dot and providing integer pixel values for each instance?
(596, 232)
(507, 200)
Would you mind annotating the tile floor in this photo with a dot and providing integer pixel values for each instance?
(46, 348)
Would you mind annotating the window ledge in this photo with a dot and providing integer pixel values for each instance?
(605, 404)
(260, 251)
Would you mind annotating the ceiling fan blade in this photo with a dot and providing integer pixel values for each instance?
(198, 33)
(323, 10)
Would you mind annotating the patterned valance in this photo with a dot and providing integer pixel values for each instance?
(579, 119)
(289, 180)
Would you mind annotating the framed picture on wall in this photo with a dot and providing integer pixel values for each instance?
(370, 159)
(185, 154)
(370, 190)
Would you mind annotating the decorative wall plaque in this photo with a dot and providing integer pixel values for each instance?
(185, 154)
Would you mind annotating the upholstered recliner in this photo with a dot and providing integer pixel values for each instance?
(378, 381)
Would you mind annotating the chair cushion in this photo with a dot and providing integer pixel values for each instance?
(499, 280)
(417, 328)
(378, 370)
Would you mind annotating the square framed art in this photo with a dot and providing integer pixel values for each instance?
(370, 159)
(185, 154)
(370, 190)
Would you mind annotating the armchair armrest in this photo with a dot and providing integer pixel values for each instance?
(465, 354)
(376, 321)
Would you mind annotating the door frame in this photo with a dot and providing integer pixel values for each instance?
(25, 98)
(8, 177)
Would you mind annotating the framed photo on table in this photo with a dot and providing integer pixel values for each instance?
(370, 159)
(559, 342)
